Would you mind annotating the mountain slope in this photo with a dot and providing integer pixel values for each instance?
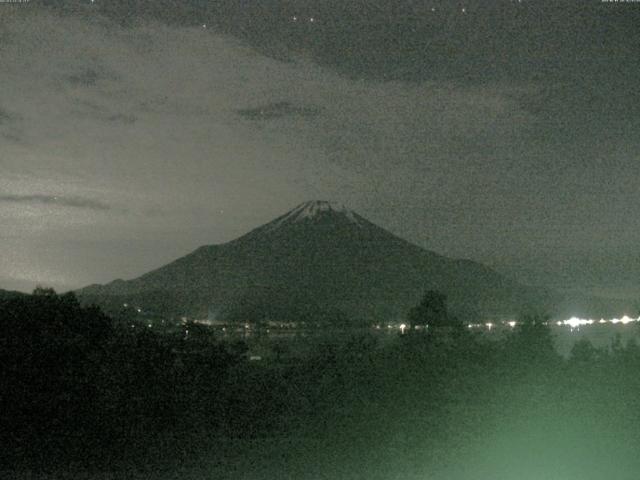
(320, 260)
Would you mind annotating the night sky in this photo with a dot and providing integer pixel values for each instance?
(132, 132)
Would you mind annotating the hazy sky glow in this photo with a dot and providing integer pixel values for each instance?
(130, 134)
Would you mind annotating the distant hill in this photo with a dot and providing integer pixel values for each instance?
(7, 294)
(319, 261)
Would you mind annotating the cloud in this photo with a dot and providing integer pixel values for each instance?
(75, 202)
(407, 40)
(93, 109)
(122, 118)
(275, 110)
(8, 118)
(9, 126)
(89, 77)
(4, 117)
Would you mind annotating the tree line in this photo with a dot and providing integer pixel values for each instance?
(82, 389)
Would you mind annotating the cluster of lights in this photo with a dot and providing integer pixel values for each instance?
(575, 322)
(490, 325)
(295, 18)
(137, 309)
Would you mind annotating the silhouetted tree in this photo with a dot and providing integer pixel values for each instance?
(583, 352)
(532, 340)
(51, 352)
(41, 291)
(432, 311)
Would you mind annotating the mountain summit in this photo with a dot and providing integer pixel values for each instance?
(317, 261)
(318, 209)
(316, 212)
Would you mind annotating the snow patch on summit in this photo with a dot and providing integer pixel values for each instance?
(310, 210)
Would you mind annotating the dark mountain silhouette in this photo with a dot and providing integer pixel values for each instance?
(320, 261)
(8, 294)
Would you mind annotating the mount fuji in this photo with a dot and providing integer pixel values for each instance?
(319, 261)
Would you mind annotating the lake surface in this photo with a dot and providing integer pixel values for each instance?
(600, 335)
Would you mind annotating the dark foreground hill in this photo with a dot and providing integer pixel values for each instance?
(9, 294)
(320, 262)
